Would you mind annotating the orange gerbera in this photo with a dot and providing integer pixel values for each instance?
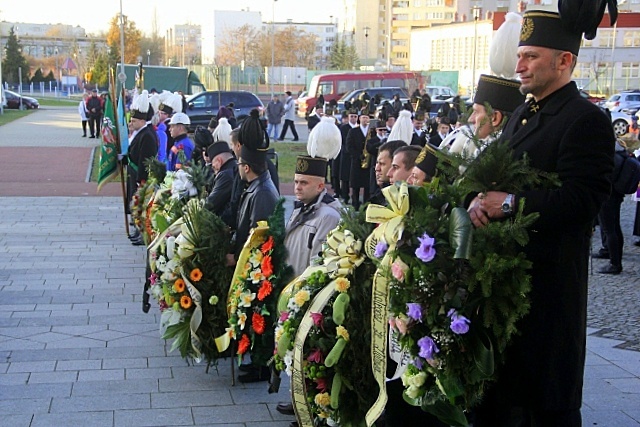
(185, 302)
(179, 285)
(268, 245)
(258, 323)
(266, 266)
(244, 344)
(195, 275)
(265, 290)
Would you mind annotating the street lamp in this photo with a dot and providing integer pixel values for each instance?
(273, 44)
(476, 16)
(55, 51)
(366, 44)
(148, 57)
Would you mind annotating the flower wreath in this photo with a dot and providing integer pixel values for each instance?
(189, 278)
(329, 358)
(257, 281)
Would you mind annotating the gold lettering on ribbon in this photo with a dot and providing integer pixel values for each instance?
(298, 386)
(389, 230)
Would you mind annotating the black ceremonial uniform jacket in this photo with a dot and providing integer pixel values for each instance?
(143, 146)
(574, 139)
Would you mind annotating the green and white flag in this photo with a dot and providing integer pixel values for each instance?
(108, 166)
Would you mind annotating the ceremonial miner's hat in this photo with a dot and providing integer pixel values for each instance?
(216, 148)
(546, 29)
(323, 145)
(419, 115)
(140, 106)
(254, 139)
(427, 161)
(501, 94)
(170, 102)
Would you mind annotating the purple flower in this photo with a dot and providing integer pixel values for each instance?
(414, 311)
(417, 363)
(426, 252)
(427, 348)
(459, 324)
(381, 249)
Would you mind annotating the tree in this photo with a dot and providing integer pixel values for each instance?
(37, 76)
(132, 37)
(239, 45)
(13, 60)
(343, 56)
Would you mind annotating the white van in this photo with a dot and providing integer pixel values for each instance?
(440, 92)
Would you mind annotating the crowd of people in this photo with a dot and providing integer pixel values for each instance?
(376, 146)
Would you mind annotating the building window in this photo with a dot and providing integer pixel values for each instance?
(630, 70)
(329, 30)
(417, 3)
(631, 38)
(586, 43)
(606, 38)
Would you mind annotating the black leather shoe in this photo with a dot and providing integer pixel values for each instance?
(138, 242)
(246, 368)
(610, 269)
(255, 375)
(636, 243)
(293, 424)
(285, 408)
(601, 254)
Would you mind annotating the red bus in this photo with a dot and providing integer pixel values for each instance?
(333, 86)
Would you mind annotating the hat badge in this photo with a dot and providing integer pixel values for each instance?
(302, 165)
(421, 156)
(527, 29)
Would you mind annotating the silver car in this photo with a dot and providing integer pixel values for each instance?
(620, 122)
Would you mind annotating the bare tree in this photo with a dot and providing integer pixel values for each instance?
(241, 44)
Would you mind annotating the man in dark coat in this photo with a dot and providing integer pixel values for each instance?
(419, 136)
(361, 160)
(144, 145)
(225, 167)
(561, 133)
(94, 107)
(345, 156)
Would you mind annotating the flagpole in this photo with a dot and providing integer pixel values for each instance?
(112, 92)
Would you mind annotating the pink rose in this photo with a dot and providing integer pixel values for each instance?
(284, 316)
(398, 269)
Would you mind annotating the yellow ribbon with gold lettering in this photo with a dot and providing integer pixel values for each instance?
(257, 236)
(341, 255)
(389, 230)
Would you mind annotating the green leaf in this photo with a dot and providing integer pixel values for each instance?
(483, 358)
(460, 233)
(447, 413)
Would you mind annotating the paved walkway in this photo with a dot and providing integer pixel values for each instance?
(76, 349)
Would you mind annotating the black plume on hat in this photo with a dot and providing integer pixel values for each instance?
(203, 137)
(584, 16)
(254, 139)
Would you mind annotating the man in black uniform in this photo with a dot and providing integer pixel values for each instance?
(94, 107)
(225, 167)
(361, 160)
(144, 144)
(561, 133)
(345, 156)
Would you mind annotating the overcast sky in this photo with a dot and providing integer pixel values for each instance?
(95, 16)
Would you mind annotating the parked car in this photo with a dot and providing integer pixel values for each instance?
(622, 100)
(440, 92)
(591, 98)
(13, 101)
(201, 107)
(620, 122)
(386, 93)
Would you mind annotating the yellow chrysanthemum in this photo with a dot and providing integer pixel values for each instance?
(242, 319)
(278, 334)
(301, 297)
(323, 399)
(342, 284)
(341, 331)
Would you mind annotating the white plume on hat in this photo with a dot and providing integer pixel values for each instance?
(222, 132)
(173, 100)
(402, 129)
(141, 102)
(154, 100)
(503, 49)
(325, 139)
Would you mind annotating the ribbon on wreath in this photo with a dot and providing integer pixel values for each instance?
(257, 236)
(390, 226)
(341, 253)
(196, 317)
(341, 256)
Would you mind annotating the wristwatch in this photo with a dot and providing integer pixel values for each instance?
(507, 205)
